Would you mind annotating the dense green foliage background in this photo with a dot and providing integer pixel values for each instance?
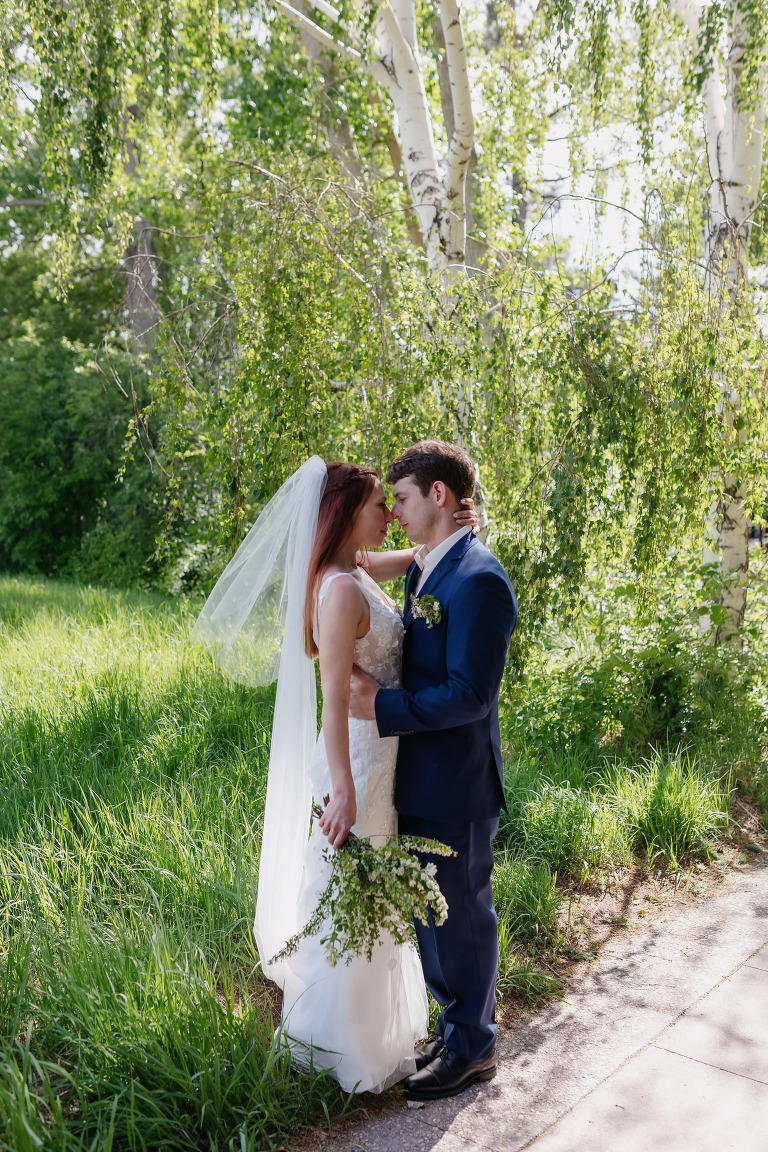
(287, 310)
(62, 437)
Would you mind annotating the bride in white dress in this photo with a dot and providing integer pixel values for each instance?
(361, 1019)
(358, 1020)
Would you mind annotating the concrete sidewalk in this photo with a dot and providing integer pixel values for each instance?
(661, 1047)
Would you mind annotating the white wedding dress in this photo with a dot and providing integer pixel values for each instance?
(359, 1020)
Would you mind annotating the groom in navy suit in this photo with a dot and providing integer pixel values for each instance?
(460, 611)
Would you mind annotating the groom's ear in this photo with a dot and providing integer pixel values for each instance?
(441, 493)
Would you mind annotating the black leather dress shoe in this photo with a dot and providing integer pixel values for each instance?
(426, 1052)
(447, 1075)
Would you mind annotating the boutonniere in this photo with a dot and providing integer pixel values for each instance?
(426, 608)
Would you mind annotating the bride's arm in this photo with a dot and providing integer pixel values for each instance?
(387, 565)
(341, 615)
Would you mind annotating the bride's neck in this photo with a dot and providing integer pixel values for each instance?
(346, 557)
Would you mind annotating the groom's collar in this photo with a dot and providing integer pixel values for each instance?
(428, 560)
(457, 546)
(455, 552)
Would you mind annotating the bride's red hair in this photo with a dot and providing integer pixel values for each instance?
(346, 491)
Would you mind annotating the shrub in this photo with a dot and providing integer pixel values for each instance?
(65, 420)
(654, 688)
(669, 807)
(572, 830)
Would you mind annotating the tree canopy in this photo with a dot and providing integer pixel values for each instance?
(280, 273)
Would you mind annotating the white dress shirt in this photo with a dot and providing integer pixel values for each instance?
(428, 561)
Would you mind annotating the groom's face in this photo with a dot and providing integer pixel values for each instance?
(416, 513)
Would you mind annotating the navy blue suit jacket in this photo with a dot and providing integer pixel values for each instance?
(447, 714)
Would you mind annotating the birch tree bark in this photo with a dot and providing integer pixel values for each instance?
(734, 131)
(436, 186)
(437, 192)
(140, 264)
(140, 270)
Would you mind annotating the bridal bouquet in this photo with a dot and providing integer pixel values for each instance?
(370, 891)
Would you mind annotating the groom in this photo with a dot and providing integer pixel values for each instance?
(460, 611)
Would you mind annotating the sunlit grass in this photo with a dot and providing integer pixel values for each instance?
(668, 806)
(132, 776)
(566, 826)
(578, 821)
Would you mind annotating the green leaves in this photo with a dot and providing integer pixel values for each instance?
(62, 436)
(95, 78)
(294, 314)
(370, 890)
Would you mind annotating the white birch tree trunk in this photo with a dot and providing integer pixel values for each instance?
(438, 197)
(437, 190)
(734, 134)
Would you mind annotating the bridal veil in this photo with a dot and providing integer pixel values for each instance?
(253, 624)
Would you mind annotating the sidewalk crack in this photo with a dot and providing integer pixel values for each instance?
(707, 1064)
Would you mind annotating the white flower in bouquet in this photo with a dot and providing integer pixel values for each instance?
(370, 891)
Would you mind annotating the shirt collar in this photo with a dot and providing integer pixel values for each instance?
(427, 560)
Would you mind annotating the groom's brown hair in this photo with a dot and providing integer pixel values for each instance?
(432, 460)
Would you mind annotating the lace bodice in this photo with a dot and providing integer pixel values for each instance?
(380, 651)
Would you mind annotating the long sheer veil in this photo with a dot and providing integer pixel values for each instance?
(253, 624)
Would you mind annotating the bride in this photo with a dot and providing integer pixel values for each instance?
(304, 583)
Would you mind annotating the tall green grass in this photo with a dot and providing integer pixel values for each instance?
(579, 821)
(668, 806)
(528, 903)
(132, 777)
(557, 816)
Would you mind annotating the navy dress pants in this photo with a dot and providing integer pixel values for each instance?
(460, 957)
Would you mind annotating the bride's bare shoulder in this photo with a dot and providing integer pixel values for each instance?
(342, 608)
(340, 588)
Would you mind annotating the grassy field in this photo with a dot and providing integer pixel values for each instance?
(132, 774)
(131, 788)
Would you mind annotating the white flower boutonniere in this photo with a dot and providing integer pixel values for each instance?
(426, 608)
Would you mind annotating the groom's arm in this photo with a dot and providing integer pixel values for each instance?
(483, 614)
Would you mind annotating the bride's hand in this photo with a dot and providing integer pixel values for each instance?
(339, 816)
(467, 517)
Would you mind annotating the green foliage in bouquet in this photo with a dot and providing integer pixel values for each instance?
(370, 891)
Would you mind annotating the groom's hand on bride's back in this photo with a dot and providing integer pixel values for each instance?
(362, 695)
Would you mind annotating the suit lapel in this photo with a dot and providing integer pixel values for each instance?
(411, 579)
(444, 567)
